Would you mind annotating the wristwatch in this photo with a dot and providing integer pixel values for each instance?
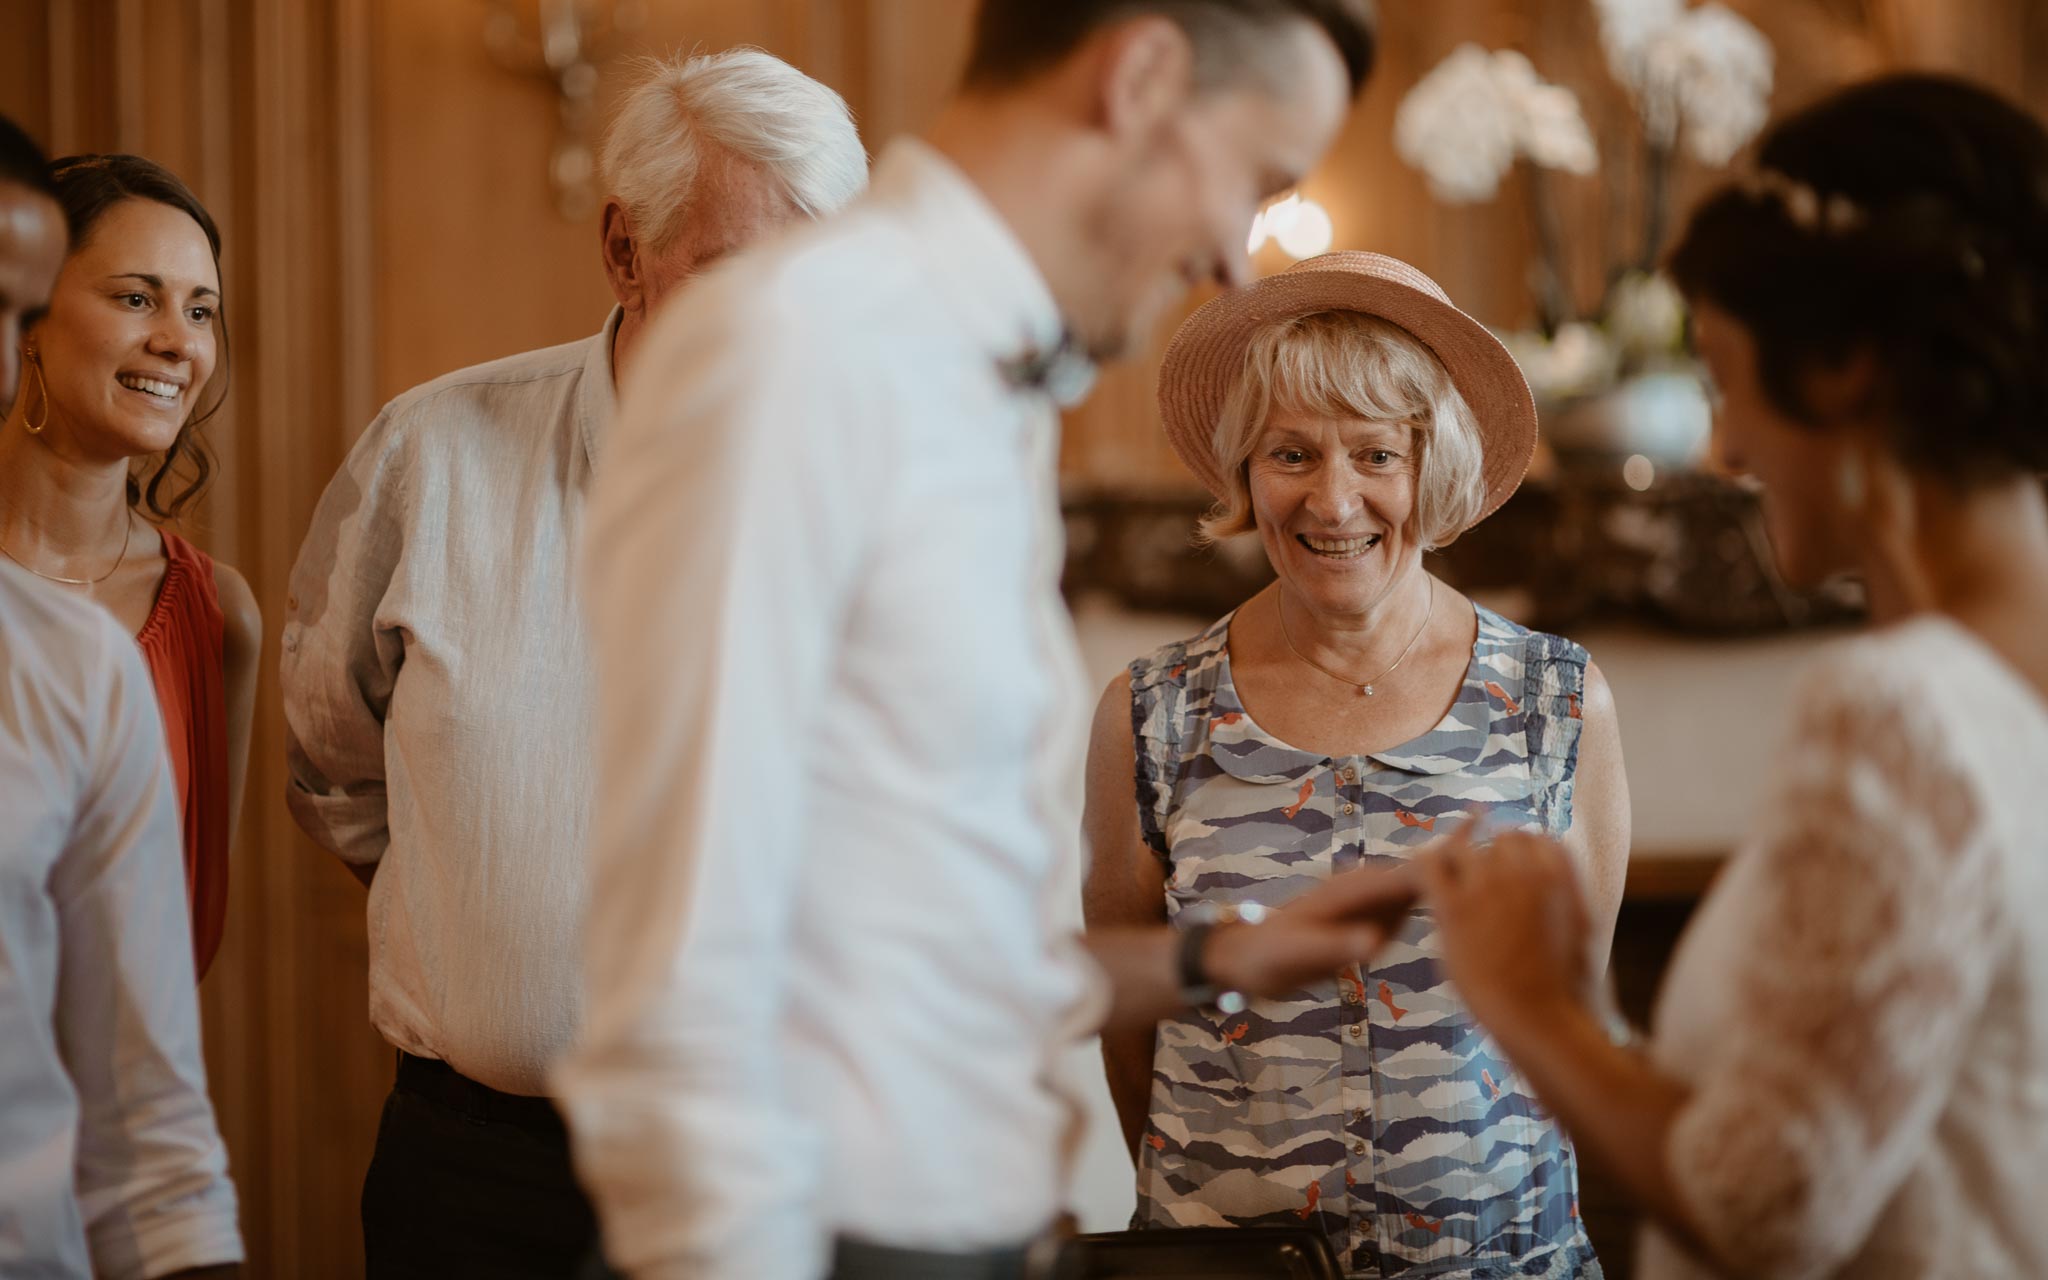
(1196, 923)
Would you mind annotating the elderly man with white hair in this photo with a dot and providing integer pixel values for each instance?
(437, 681)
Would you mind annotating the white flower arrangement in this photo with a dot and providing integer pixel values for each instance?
(1467, 122)
(1699, 78)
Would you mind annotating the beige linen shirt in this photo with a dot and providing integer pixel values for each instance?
(437, 699)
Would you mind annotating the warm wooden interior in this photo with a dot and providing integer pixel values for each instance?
(382, 188)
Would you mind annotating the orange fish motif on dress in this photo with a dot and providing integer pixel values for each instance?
(1387, 999)
(1236, 1033)
(1408, 819)
(1514, 708)
(1227, 719)
(1350, 1181)
(1434, 1226)
(1177, 672)
(1155, 1142)
(1308, 788)
(1487, 1076)
(1356, 983)
(1315, 1196)
(1574, 707)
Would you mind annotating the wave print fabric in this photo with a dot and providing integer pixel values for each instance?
(1371, 1107)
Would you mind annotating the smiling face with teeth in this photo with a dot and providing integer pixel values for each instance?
(131, 336)
(1334, 501)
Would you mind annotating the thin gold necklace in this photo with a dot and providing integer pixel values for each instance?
(127, 533)
(1364, 687)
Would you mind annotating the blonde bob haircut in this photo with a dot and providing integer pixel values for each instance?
(1350, 364)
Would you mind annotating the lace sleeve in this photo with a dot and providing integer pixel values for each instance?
(1867, 945)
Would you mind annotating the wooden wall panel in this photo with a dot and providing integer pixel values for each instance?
(261, 106)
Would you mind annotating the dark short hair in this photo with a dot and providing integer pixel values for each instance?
(22, 162)
(1924, 243)
(88, 187)
(1014, 39)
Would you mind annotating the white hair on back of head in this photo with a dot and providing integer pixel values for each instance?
(746, 100)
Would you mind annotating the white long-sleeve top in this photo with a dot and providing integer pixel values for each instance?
(840, 723)
(1861, 1005)
(110, 1161)
(437, 696)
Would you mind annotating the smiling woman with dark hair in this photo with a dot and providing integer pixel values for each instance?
(103, 448)
(1849, 1072)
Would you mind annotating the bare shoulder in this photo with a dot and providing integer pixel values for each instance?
(240, 614)
(1113, 712)
(1598, 699)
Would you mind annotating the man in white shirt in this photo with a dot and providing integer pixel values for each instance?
(110, 1161)
(437, 681)
(840, 716)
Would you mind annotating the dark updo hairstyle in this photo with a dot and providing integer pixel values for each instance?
(89, 187)
(1906, 217)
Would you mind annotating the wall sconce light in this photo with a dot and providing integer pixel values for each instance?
(1302, 228)
(561, 42)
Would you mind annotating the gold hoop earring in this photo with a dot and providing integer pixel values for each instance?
(35, 365)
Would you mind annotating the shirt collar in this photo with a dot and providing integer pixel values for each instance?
(596, 397)
(983, 273)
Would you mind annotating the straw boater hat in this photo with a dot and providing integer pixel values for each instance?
(1207, 358)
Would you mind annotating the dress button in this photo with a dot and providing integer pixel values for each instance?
(1347, 808)
(1358, 1148)
(1351, 775)
(1359, 1115)
(1351, 997)
(1357, 1031)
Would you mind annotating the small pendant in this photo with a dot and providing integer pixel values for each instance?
(1366, 689)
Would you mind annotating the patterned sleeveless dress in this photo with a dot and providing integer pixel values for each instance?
(1370, 1107)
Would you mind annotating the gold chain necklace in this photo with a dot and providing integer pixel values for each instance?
(1364, 687)
(127, 533)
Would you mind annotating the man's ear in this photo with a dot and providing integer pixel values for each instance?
(1144, 72)
(621, 251)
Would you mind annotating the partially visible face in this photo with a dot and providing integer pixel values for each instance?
(132, 332)
(1183, 211)
(31, 253)
(737, 202)
(1334, 498)
(1798, 465)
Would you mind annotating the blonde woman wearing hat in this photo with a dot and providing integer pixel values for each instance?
(1351, 418)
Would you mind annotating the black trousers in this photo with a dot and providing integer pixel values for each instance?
(853, 1260)
(467, 1181)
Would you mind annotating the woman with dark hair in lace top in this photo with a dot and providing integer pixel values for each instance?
(1849, 1069)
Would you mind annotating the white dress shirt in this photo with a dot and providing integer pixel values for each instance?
(437, 702)
(110, 1162)
(840, 721)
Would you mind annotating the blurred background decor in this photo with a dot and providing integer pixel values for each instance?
(563, 42)
(1612, 380)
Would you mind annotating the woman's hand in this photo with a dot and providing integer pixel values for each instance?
(1511, 924)
(1339, 923)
